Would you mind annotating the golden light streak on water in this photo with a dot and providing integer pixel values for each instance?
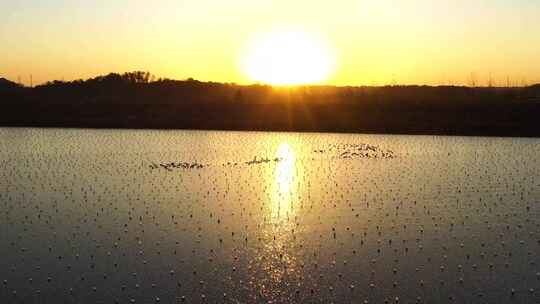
(282, 200)
(275, 265)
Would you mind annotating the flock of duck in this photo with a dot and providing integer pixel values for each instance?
(339, 151)
(455, 220)
(362, 150)
(177, 165)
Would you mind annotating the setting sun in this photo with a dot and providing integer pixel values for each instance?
(287, 58)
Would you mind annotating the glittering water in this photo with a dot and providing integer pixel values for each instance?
(98, 216)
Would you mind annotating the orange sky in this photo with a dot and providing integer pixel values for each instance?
(375, 41)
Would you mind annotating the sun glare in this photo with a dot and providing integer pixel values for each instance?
(288, 58)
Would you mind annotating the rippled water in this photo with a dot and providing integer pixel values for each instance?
(105, 216)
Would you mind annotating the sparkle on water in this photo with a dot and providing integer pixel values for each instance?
(103, 216)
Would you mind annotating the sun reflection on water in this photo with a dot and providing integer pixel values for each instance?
(276, 263)
(284, 184)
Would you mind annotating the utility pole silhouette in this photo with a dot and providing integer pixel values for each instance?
(472, 80)
(31, 81)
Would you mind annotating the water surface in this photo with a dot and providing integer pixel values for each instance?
(105, 216)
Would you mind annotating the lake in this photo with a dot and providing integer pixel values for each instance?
(139, 216)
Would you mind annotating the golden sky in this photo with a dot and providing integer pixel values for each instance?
(374, 41)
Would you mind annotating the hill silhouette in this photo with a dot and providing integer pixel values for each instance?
(139, 100)
(8, 85)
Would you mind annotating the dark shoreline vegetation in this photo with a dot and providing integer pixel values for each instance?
(136, 100)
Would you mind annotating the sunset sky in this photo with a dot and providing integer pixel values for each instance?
(373, 41)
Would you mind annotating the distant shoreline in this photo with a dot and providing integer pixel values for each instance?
(133, 101)
(101, 125)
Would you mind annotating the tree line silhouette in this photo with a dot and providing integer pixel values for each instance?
(140, 100)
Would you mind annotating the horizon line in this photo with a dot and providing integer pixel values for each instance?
(490, 83)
